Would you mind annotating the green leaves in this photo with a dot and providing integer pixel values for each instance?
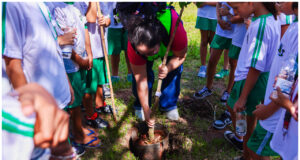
(198, 4)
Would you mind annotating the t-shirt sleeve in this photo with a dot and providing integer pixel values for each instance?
(133, 57)
(14, 29)
(259, 48)
(180, 39)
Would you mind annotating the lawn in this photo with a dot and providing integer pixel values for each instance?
(194, 139)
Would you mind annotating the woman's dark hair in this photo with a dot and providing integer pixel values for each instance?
(140, 20)
(295, 5)
(270, 6)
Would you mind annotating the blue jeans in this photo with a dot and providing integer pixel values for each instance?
(170, 88)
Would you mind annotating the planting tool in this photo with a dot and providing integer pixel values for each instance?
(107, 65)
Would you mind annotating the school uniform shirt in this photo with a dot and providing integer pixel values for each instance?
(226, 33)
(239, 34)
(6, 85)
(33, 40)
(113, 24)
(288, 46)
(17, 130)
(285, 19)
(94, 31)
(286, 145)
(207, 11)
(68, 15)
(259, 47)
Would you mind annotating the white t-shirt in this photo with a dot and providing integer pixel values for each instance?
(6, 85)
(31, 39)
(207, 11)
(285, 19)
(288, 46)
(259, 47)
(226, 33)
(112, 6)
(239, 34)
(94, 31)
(286, 146)
(69, 15)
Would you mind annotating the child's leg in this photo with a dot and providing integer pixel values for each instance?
(115, 60)
(212, 65)
(203, 46)
(99, 99)
(127, 63)
(233, 63)
(211, 36)
(226, 60)
(88, 104)
(251, 124)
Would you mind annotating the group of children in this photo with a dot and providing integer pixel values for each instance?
(60, 49)
(261, 38)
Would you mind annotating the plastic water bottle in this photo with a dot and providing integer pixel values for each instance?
(241, 124)
(286, 76)
(67, 49)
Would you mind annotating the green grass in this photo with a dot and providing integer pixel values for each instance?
(197, 139)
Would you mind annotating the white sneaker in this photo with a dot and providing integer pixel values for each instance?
(202, 72)
(140, 114)
(173, 114)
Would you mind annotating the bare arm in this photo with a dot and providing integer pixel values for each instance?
(15, 72)
(140, 75)
(262, 112)
(252, 77)
(236, 19)
(88, 48)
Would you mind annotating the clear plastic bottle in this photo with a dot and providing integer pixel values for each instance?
(286, 76)
(241, 124)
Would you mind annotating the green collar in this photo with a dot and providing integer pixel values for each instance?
(69, 3)
(296, 19)
(262, 16)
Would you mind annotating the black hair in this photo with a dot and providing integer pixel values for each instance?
(140, 20)
(295, 5)
(270, 6)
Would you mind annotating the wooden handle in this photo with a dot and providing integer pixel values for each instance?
(107, 65)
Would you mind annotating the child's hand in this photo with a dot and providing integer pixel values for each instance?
(67, 38)
(224, 10)
(239, 105)
(90, 62)
(247, 22)
(224, 25)
(258, 112)
(52, 123)
(84, 64)
(102, 21)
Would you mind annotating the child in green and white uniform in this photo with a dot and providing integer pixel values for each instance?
(117, 41)
(97, 76)
(65, 14)
(207, 23)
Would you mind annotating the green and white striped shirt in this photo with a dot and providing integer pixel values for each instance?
(259, 46)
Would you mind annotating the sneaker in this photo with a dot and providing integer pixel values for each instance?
(78, 148)
(202, 72)
(222, 74)
(224, 97)
(115, 79)
(97, 123)
(129, 78)
(204, 92)
(173, 114)
(140, 114)
(106, 91)
(231, 138)
(105, 109)
(223, 121)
